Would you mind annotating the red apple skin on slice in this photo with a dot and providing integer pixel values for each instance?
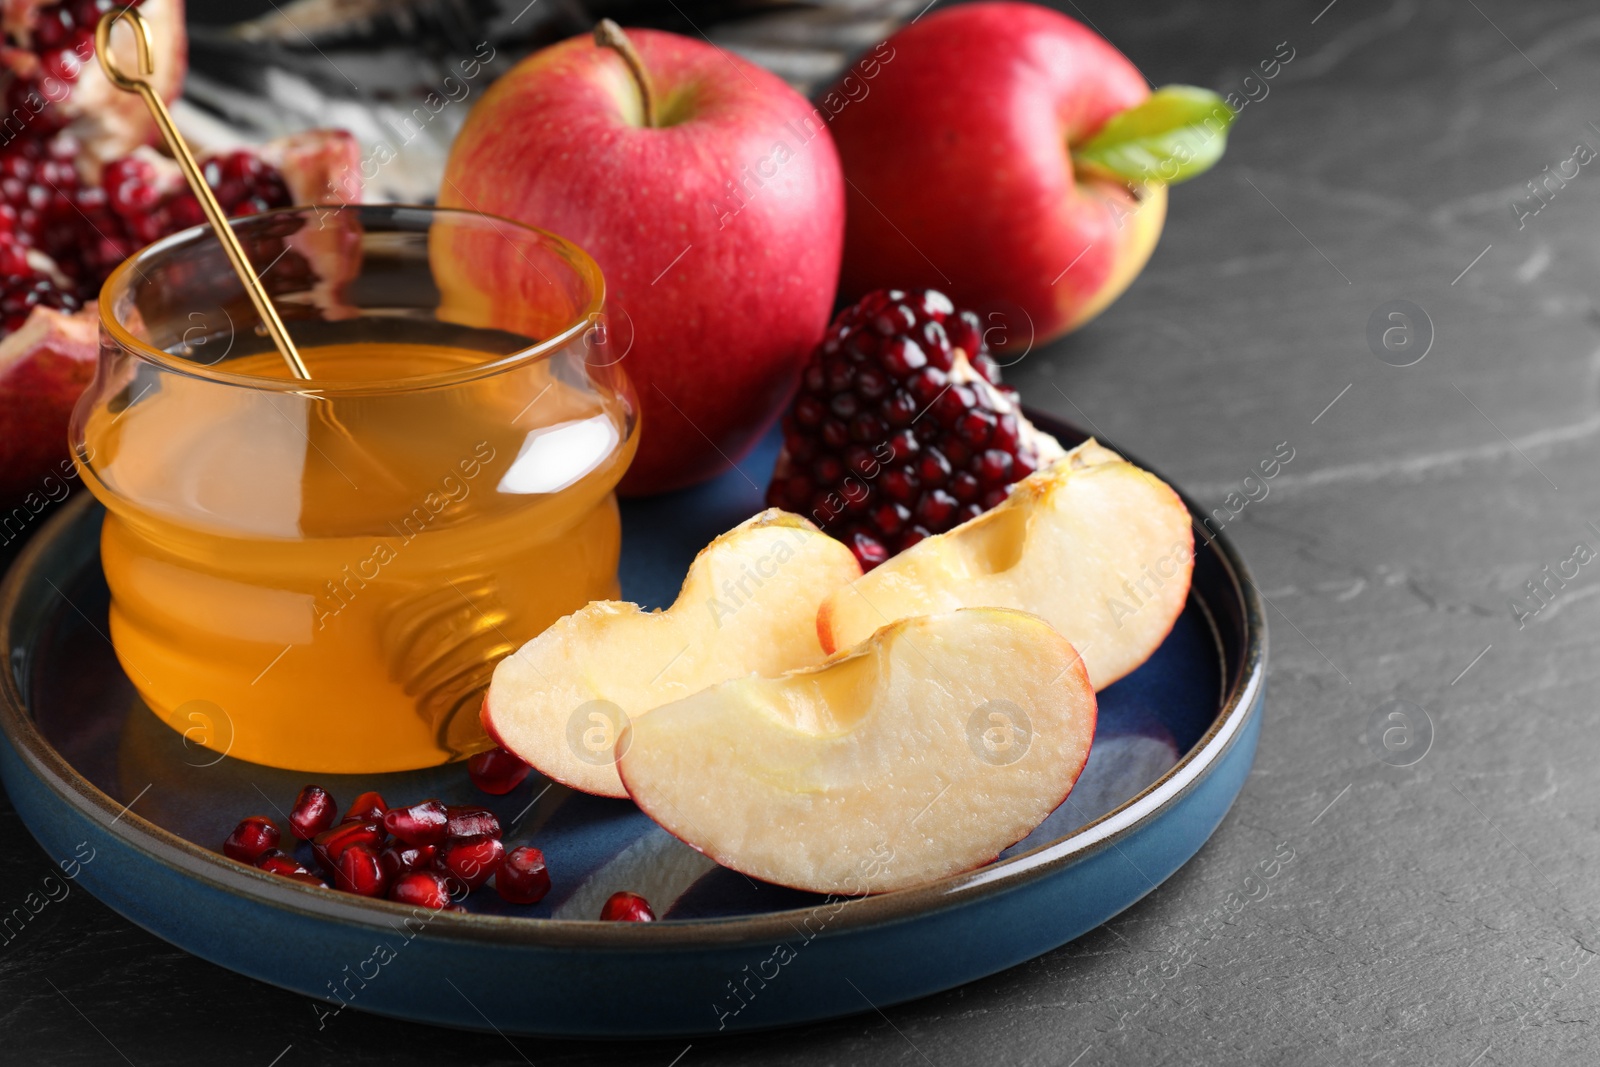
(1097, 546)
(920, 754)
(748, 605)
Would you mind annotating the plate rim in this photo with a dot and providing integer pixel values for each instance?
(216, 871)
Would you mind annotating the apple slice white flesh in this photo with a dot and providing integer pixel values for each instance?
(921, 753)
(1100, 548)
(748, 605)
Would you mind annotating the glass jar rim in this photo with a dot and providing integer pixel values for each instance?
(582, 263)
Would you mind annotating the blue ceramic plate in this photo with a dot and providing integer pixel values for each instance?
(94, 774)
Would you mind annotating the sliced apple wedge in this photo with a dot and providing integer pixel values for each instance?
(1098, 547)
(921, 753)
(748, 605)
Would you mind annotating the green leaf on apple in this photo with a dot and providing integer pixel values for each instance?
(1177, 132)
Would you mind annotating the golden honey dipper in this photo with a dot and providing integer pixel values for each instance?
(191, 171)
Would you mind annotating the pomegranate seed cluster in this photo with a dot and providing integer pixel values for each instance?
(60, 40)
(429, 854)
(61, 234)
(901, 428)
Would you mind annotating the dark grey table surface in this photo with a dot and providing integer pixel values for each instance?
(1436, 913)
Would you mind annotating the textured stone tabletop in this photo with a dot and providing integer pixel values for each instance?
(1430, 903)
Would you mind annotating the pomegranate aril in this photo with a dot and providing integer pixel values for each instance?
(627, 908)
(871, 383)
(976, 427)
(839, 375)
(858, 460)
(497, 772)
(332, 843)
(902, 356)
(473, 860)
(901, 410)
(397, 858)
(522, 877)
(799, 492)
(277, 861)
(891, 518)
(894, 320)
(309, 878)
(932, 304)
(808, 411)
(426, 823)
(935, 508)
(368, 807)
(869, 551)
(422, 889)
(933, 469)
(471, 821)
(966, 333)
(800, 449)
(995, 467)
(1004, 435)
(936, 343)
(964, 487)
(865, 345)
(251, 839)
(54, 27)
(360, 871)
(952, 404)
(313, 812)
(910, 537)
(901, 485)
(928, 385)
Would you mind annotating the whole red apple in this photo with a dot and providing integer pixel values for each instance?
(718, 225)
(961, 156)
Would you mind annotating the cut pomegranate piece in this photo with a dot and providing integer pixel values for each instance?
(471, 821)
(627, 908)
(497, 772)
(473, 859)
(313, 812)
(250, 839)
(423, 889)
(368, 807)
(523, 877)
(56, 82)
(62, 231)
(426, 823)
(900, 425)
(330, 845)
(22, 291)
(43, 368)
(359, 871)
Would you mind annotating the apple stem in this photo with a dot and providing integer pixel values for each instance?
(607, 34)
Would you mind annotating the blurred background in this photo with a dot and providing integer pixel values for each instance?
(260, 69)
